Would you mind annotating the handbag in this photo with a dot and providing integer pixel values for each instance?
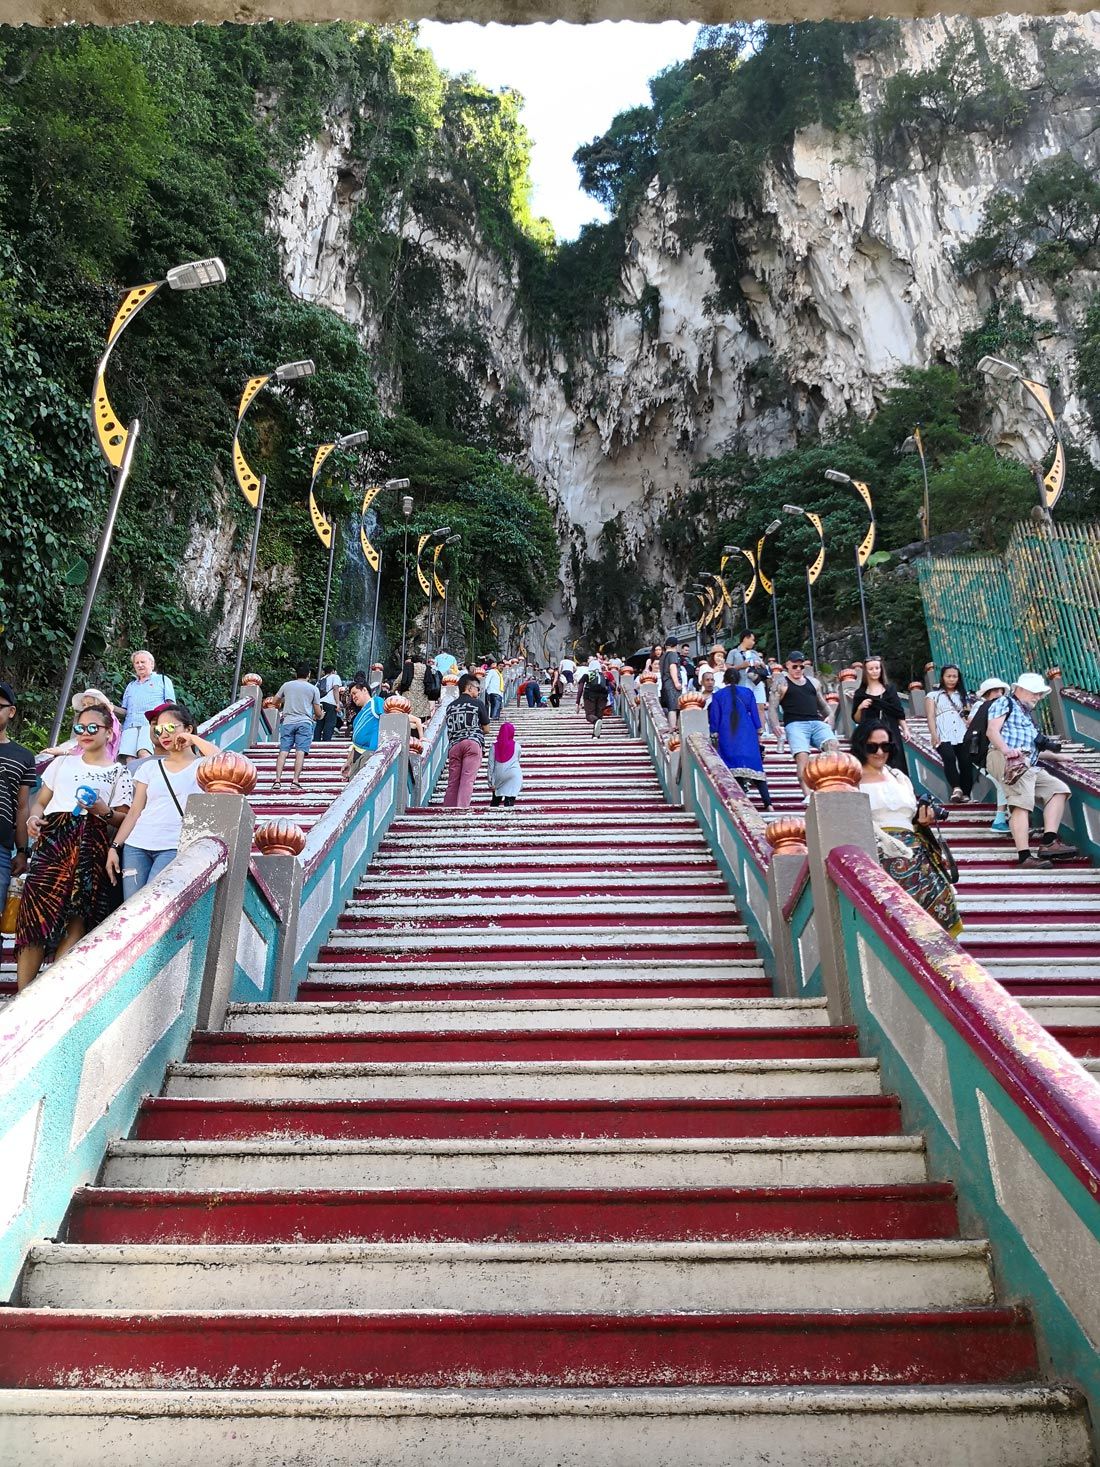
(939, 851)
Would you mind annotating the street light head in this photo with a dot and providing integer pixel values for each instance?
(834, 476)
(406, 505)
(396, 483)
(195, 274)
(352, 440)
(441, 534)
(1000, 369)
(291, 371)
(793, 509)
(775, 525)
(732, 550)
(452, 539)
(909, 445)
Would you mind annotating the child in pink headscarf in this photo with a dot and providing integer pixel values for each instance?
(505, 774)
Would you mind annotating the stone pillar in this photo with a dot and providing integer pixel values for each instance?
(253, 683)
(280, 843)
(222, 811)
(916, 700)
(787, 838)
(838, 815)
(1057, 707)
(929, 676)
(394, 724)
(847, 682)
(693, 720)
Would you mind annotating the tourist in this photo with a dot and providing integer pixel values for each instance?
(747, 661)
(716, 659)
(1015, 743)
(596, 696)
(366, 710)
(329, 692)
(878, 699)
(17, 779)
(807, 718)
(991, 689)
(948, 710)
(505, 774)
(493, 688)
(568, 668)
(299, 712)
(909, 849)
(738, 735)
(467, 721)
(146, 690)
(672, 683)
(445, 663)
(557, 687)
(149, 836)
(532, 689)
(83, 800)
(706, 683)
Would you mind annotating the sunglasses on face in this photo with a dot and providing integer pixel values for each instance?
(160, 729)
(880, 748)
(88, 728)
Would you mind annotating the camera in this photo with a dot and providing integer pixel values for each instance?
(1044, 744)
(937, 807)
(759, 674)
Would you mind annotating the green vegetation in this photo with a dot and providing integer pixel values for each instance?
(1050, 227)
(128, 151)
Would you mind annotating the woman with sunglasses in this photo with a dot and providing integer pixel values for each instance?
(909, 848)
(83, 800)
(150, 835)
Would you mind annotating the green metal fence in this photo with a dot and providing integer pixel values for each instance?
(1036, 607)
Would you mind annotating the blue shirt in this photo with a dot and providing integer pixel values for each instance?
(139, 697)
(1018, 730)
(364, 731)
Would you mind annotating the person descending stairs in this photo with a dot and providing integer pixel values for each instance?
(536, 1170)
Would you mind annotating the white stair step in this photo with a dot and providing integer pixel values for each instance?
(985, 1426)
(258, 1166)
(611, 970)
(375, 884)
(1067, 1009)
(425, 907)
(617, 1278)
(458, 861)
(451, 1016)
(408, 939)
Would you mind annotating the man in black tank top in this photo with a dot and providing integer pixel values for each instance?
(807, 718)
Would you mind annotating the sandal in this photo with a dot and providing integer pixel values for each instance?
(277, 786)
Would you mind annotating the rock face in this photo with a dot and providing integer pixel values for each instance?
(849, 277)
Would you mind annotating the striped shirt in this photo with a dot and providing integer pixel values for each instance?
(1018, 730)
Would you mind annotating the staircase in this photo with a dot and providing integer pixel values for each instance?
(536, 1171)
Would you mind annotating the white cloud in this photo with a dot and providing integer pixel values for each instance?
(574, 79)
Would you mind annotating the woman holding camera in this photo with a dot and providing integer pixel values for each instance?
(909, 848)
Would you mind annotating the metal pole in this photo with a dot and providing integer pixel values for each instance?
(775, 619)
(428, 643)
(248, 586)
(93, 577)
(863, 607)
(405, 599)
(374, 620)
(446, 597)
(328, 594)
(744, 609)
(813, 630)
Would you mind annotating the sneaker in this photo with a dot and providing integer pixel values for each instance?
(597, 728)
(1000, 823)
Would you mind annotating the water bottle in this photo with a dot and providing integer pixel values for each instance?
(86, 797)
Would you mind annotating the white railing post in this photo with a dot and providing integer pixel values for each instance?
(230, 818)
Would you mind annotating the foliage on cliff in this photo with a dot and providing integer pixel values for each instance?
(128, 151)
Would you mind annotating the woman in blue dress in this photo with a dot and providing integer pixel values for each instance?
(736, 733)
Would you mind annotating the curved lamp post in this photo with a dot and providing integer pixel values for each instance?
(769, 585)
(722, 596)
(915, 444)
(373, 556)
(406, 510)
(118, 444)
(865, 546)
(813, 570)
(1053, 481)
(436, 537)
(326, 530)
(253, 486)
(747, 593)
(451, 540)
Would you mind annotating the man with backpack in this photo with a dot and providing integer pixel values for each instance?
(329, 689)
(1011, 747)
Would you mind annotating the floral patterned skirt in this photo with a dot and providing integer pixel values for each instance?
(67, 878)
(923, 877)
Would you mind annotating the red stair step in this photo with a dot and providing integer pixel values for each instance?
(421, 1349)
(316, 991)
(533, 1044)
(553, 954)
(1083, 1040)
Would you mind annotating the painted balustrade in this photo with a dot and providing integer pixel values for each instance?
(1081, 712)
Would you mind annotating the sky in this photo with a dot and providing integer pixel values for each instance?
(575, 78)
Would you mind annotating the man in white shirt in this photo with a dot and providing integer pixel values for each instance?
(567, 667)
(329, 689)
(749, 665)
(493, 688)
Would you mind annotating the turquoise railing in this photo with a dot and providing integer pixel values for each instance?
(1082, 715)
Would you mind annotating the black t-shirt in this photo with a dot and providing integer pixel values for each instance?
(668, 687)
(16, 772)
(464, 719)
(799, 703)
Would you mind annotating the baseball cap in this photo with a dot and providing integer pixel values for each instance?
(796, 657)
(991, 683)
(154, 713)
(7, 692)
(1031, 682)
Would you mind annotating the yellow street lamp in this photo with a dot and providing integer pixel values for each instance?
(1053, 481)
(865, 546)
(813, 570)
(749, 591)
(325, 529)
(117, 444)
(253, 486)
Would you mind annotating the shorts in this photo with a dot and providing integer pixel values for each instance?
(1036, 784)
(297, 736)
(808, 735)
(134, 739)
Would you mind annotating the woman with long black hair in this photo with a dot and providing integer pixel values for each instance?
(737, 734)
(948, 709)
(877, 699)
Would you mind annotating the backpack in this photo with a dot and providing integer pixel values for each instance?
(976, 741)
(433, 684)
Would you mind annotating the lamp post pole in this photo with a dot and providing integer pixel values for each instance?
(450, 541)
(117, 444)
(406, 510)
(247, 600)
(1053, 481)
(769, 585)
(865, 546)
(427, 582)
(373, 556)
(813, 570)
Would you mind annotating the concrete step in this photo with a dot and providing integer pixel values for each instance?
(413, 1348)
(472, 908)
(164, 1118)
(515, 1214)
(979, 1426)
(447, 1017)
(705, 1079)
(822, 1161)
(1064, 1009)
(542, 944)
(596, 1278)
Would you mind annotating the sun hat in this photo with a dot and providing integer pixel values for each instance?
(991, 683)
(1031, 682)
(77, 701)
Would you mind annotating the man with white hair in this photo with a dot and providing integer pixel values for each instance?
(1015, 743)
(148, 689)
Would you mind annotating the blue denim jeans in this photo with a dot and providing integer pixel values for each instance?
(496, 702)
(139, 867)
(5, 874)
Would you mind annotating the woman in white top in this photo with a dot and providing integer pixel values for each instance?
(150, 835)
(83, 798)
(948, 709)
(909, 849)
